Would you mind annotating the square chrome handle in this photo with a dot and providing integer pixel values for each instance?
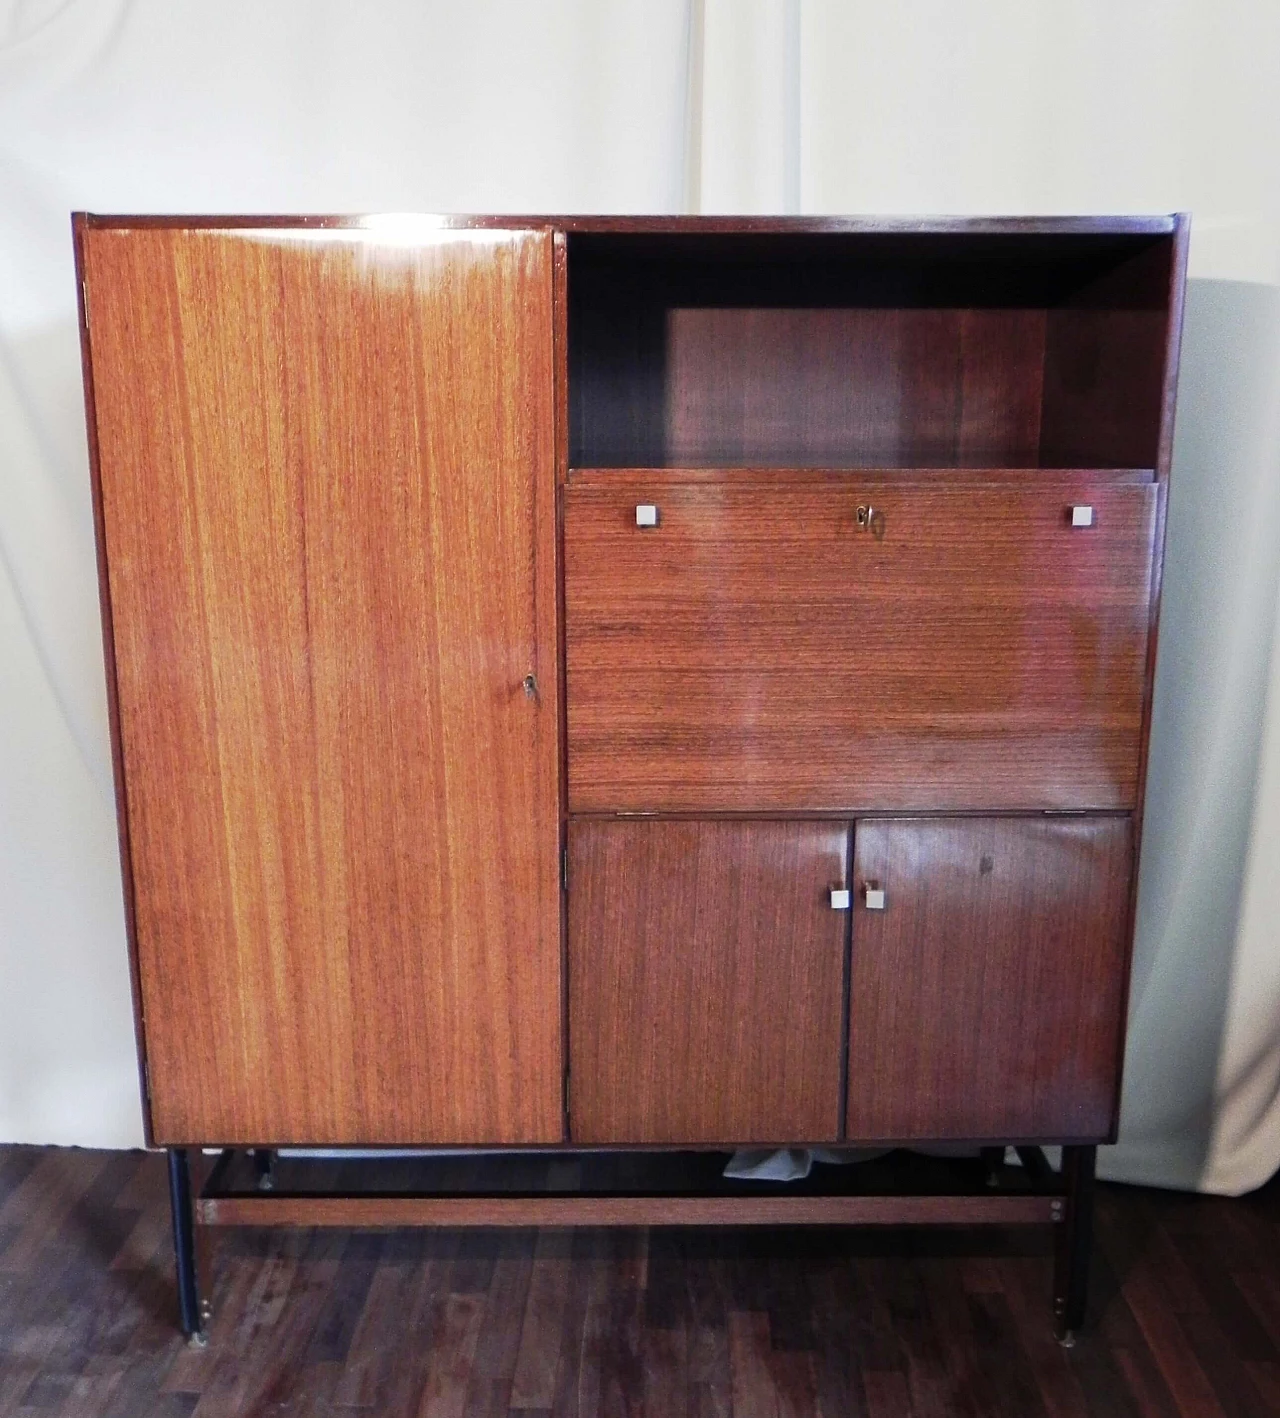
(873, 897)
(646, 515)
(840, 900)
(1082, 516)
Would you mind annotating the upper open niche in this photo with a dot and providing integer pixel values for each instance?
(867, 350)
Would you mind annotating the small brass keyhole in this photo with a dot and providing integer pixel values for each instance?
(531, 686)
(870, 519)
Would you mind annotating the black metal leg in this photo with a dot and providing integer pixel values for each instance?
(1073, 1243)
(1034, 1164)
(992, 1161)
(184, 1243)
(263, 1161)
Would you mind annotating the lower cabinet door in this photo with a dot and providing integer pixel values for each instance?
(706, 981)
(987, 981)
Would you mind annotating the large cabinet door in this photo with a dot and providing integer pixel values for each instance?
(987, 992)
(327, 496)
(706, 973)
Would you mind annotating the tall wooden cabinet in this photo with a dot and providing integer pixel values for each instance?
(668, 683)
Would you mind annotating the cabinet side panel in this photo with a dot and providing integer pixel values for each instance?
(328, 503)
(705, 972)
(987, 997)
(79, 223)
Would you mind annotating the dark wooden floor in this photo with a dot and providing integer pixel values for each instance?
(1185, 1320)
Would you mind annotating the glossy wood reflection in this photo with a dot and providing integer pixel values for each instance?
(987, 998)
(706, 970)
(325, 472)
(756, 651)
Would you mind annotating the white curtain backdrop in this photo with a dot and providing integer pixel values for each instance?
(958, 106)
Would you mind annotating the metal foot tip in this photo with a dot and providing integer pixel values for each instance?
(198, 1340)
(1068, 1339)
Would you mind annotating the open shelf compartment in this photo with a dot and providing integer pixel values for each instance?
(913, 350)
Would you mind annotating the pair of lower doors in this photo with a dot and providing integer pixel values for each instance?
(722, 991)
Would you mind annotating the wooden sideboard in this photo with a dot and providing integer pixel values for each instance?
(640, 683)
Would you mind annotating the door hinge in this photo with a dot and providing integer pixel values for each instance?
(564, 869)
(84, 301)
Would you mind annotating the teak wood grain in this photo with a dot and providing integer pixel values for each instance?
(706, 970)
(986, 1000)
(781, 1210)
(756, 652)
(328, 502)
(855, 387)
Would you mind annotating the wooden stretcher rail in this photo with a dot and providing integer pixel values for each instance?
(375, 1211)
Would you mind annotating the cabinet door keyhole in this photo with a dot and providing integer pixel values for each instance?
(870, 519)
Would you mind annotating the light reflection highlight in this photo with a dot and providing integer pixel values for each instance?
(397, 230)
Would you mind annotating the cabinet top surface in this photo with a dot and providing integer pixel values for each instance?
(1140, 225)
